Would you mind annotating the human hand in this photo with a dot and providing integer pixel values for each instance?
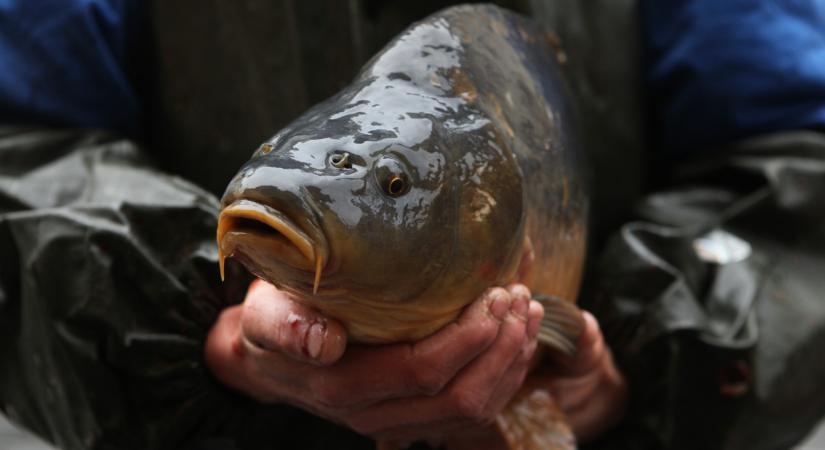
(588, 387)
(275, 350)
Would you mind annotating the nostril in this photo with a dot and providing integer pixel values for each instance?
(266, 148)
(340, 160)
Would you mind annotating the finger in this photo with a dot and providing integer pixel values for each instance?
(534, 316)
(591, 351)
(367, 375)
(273, 369)
(239, 365)
(220, 351)
(520, 292)
(272, 321)
(467, 397)
(512, 379)
(485, 386)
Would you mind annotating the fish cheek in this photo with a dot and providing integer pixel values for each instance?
(396, 247)
(491, 217)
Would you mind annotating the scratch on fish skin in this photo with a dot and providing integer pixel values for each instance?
(462, 85)
(482, 205)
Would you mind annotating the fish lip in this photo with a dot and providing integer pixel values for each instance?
(313, 249)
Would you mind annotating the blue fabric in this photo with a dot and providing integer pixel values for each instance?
(722, 70)
(68, 63)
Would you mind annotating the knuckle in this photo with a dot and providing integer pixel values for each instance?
(520, 290)
(427, 380)
(472, 407)
(254, 309)
(486, 332)
(497, 293)
(252, 321)
(513, 339)
(482, 335)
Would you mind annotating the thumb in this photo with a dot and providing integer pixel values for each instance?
(273, 322)
(592, 351)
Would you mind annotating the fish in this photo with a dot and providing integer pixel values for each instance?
(449, 165)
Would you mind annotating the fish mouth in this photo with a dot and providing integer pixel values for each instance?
(270, 234)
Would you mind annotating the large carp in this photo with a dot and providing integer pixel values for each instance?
(448, 166)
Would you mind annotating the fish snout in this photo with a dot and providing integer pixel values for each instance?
(261, 235)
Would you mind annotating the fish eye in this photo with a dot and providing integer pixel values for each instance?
(395, 186)
(391, 177)
(340, 160)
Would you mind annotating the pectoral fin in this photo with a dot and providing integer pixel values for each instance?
(533, 421)
(561, 326)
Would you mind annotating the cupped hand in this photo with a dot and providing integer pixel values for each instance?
(275, 350)
(587, 387)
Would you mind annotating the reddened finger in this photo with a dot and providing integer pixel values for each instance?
(263, 375)
(274, 322)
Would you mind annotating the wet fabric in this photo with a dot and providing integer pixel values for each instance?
(108, 286)
(68, 63)
(712, 300)
(719, 71)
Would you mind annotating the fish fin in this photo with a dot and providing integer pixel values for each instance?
(561, 326)
(533, 421)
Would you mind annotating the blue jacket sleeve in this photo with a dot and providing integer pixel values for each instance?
(719, 71)
(71, 63)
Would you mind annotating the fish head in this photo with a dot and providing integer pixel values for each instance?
(328, 211)
(391, 205)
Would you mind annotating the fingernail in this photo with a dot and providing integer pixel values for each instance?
(520, 305)
(315, 340)
(499, 304)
